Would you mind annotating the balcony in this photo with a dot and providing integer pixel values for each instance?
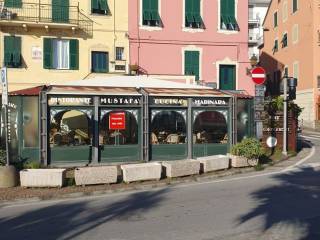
(49, 16)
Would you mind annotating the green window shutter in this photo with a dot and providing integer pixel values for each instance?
(74, 54)
(13, 3)
(60, 11)
(94, 4)
(146, 9)
(47, 53)
(227, 77)
(191, 63)
(17, 51)
(104, 5)
(154, 10)
(196, 11)
(8, 50)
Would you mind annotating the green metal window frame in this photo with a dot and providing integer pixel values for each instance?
(48, 53)
(13, 3)
(12, 51)
(284, 40)
(192, 63)
(228, 20)
(227, 72)
(150, 13)
(99, 62)
(193, 14)
(294, 6)
(100, 7)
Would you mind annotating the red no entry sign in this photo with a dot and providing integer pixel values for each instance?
(117, 121)
(258, 75)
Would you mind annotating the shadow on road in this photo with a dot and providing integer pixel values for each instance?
(68, 221)
(291, 208)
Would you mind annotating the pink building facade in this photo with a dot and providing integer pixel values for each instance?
(204, 38)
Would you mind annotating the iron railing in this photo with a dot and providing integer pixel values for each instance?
(38, 12)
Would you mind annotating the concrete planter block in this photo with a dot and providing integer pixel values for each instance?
(8, 177)
(214, 163)
(96, 175)
(141, 172)
(42, 177)
(238, 161)
(181, 168)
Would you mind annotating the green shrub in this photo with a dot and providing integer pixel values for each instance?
(250, 148)
(31, 165)
(3, 157)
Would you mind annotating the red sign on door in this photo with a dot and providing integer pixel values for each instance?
(117, 121)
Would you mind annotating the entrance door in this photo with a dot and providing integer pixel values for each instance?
(119, 135)
(210, 132)
(60, 11)
(168, 134)
(227, 77)
(70, 135)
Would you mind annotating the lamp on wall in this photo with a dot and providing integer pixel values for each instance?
(253, 63)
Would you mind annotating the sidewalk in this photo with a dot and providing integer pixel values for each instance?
(22, 195)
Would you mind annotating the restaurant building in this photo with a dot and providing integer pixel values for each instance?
(79, 125)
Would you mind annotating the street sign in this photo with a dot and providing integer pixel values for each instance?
(260, 90)
(117, 121)
(4, 83)
(258, 75)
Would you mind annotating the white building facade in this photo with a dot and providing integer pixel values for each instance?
(257, 13)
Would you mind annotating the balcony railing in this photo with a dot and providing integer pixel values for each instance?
(44, 13)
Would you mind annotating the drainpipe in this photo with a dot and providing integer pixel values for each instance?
(114, 34)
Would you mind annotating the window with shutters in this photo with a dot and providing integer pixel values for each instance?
(150, 13)
(275, 46)
(294, 6)
(275, 19)
(227, 77)
(12, 51)
(193, 14)
(61, 54)
(191, 64)
(13, 3)
(227, 15)
(100, 7)
(99, 62)
(284, 40)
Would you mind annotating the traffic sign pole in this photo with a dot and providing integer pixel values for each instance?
(4, 82)
(285, 116)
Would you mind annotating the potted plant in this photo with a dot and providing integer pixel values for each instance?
(246, 153)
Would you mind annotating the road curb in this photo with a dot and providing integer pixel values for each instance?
(147, 186)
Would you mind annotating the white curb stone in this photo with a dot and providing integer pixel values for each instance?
(214, 163)
(181, 168)
(141, 172)
(96, 175)
(42, 177)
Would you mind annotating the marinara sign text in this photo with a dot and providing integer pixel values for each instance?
(117, 121)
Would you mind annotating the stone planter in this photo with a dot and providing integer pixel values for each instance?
(181, 168)
(96, 175)
(42, 177)
(141, 172)
(238, 161)
(214, 163)
(8, 177)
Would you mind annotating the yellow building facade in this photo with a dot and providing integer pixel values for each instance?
(55, 41)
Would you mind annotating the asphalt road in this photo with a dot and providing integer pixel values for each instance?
(282, 206)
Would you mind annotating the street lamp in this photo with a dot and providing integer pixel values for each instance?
(253, 61)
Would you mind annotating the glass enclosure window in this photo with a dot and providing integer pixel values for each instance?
(30, 122)
(243, 119)
(168, 127)
(127, 136)
(70, 127)
(210, 127)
